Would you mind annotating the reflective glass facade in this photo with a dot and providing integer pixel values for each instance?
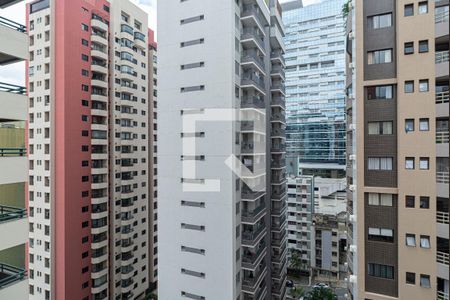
(315, 104)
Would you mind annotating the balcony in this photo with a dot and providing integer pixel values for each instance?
(279, 238)
(253, 102)
(139, 40)
(13, 101)
(13, 226)
(251, 281)
(278, 208)
(441, 18)
(278, 101)
(278, 72)
(12, 282)
(250, 80)
(278, 163)
(251, 15)
(278, 193)
(253, 127)
(277, 56)
(278, 87)
(251, 58)
(441, 295)
(99, 25)
(276, 38)
(251, 237)
(252, 258)
(16, 49)
(442, 258)
(251, 216)
(252, 38)
(278, 148)
(441, 59)
(278, 133)
(249, 195)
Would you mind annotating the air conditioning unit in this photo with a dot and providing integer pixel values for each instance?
(346, 264)
(352, 278)
(352, 126)
(352, 187)
(351, 35)
(351, 66)
(352, 157)
(353, 248)
(352, 218)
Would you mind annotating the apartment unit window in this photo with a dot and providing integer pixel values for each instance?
(191, 43)
(410, 201)
(410, 240)
(192, 19)
(380, 128)
(409, 86)
(409, 163)
(409, 125)
(423, 7)
(424, 163)
(381, 234)
(192, 88)
(425, 281)
(409, 10)
(409, 48)
(423, 85)
(380, 21)
(380, 92)
(376, 199)
(84, 27)
(424, 202)
(380, 163)
(424, 124)
(423, 46)
(425, 241)
(380, 57)
(381, 271)
(410, 278)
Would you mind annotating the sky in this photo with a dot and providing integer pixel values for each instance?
(15, 73)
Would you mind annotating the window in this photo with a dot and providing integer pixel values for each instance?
(84, 27)
(409, 86)
(381, 234)
(192, 19)
(424, 124)
(423, 46)
(379, 92)
(423, 85)
(410, 278)
(410, 240)
(84, 42)
(191, 43)
(409, 48)
(424, 163)
(381, 271)
(425, 241)
(84, 57)
(380, 163)
(85, 73)
(409, 125)
(380, 57)
(424, 202)
(380, 21)
(423, 7)
(409, 10)
(382, 128)
(410, 201)
(425, 281)
(409, 163)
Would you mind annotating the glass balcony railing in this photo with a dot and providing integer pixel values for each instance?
(13, 25)
(441, 57)
(10, 274)
(8, 213)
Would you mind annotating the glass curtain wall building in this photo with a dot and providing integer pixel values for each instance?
(315, 103)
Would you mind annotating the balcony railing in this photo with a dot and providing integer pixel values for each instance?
(442, 217)
(442, 177)
(277, 100)
(252, 279)
(442, 257)
(251, 57)
(11, 88)
(248, 79)
(442, 137)
(277, 54)
(250, 235)
(252, 10)
(442, 97)
(441, 57)
(442, 295)
(253, 102)
(13, 152)
(10, 274)
(250, 33)
(8, 213)
(13, 25)
(249, 216)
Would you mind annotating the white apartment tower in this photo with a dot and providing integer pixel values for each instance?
(221, 232)
(88, 149)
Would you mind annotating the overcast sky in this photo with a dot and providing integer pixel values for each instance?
(15, 73)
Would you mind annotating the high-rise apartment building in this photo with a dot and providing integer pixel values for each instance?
(13, 164)
(153, 160)
(315, 98)
(88, 149)
(398, 166)
(221, 230)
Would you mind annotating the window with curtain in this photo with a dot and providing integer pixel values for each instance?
(380, 57)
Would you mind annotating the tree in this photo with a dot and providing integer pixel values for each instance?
(346, 9)
(321, 294)
(296, 292)
(295, 260)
